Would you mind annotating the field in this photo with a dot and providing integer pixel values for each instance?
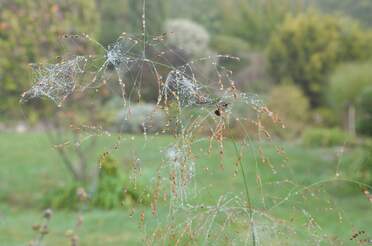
(30, 167)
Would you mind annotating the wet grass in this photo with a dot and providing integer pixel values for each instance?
(29, 167)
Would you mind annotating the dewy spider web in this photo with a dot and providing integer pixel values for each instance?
(184, 89)
(227, 219)
(56, 81)
(120, 55)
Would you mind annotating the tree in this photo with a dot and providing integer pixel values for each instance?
(307, 47)
(204, 12)
(126, 16)
(346, 85)
(254, 21)
(27, 36)
(360, 9)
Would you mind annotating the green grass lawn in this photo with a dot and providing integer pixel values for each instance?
(30, 167)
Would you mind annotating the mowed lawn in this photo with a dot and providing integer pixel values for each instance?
(319, 202)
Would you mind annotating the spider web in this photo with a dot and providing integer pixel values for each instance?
(56, 81)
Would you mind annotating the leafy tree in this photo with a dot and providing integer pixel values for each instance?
(126, 16)
(360, 9)
(30, 31)
(347, 82)
(205, 12)
(307, 47)
(346, 85)
(254, 21)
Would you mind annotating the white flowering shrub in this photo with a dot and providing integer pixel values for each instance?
(187, 35)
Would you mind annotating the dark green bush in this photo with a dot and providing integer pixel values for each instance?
(364, 125)
(365, 100)
(326, 137)
(113, 190)
(324, 117)
(62, 198)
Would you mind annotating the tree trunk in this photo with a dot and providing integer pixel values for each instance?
(351, 115)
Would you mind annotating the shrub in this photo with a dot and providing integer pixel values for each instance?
(307, 47)
(292, 107)
(112, 190)
(324, 117)
(188, 36)
(115, 190)
(364, 125)
(365, 100)
(326, 137)
(229, 45)
(347, 83)
(62, 198)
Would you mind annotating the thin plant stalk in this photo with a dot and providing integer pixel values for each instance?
(249, 202)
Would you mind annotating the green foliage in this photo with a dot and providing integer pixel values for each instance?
(114, 14)
(252, 21)
(324, 117)
(292, 107)
(229, 45)
(347, 82)
(359, 162)
(364, 125)
(126, 15)
(204, 12)
(27, 36)
(326, 137)
(360, 9)
(108, 166)
(307, 47)
(112, 190)
(62, 198)
(365, 99)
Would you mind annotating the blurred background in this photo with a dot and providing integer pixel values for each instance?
(309, 60)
